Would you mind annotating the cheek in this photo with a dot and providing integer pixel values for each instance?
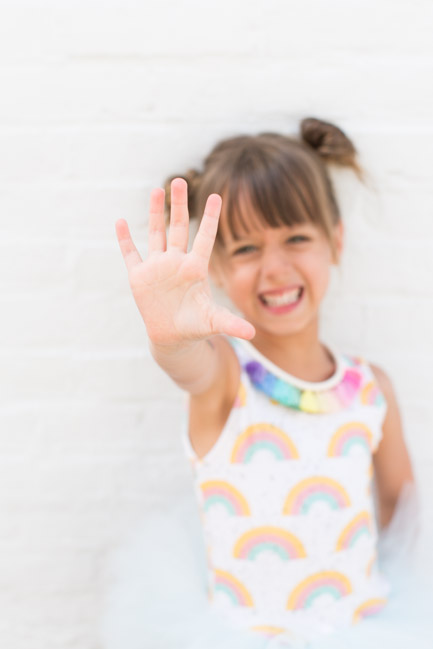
(318, 271)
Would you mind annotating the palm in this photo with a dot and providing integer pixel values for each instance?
(173, 296)
(171, 287)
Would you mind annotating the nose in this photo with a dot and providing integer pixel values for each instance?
(275, 263)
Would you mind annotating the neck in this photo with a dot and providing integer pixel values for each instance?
(300, 354)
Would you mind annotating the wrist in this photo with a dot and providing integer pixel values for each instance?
(172, 350)
(191, 365)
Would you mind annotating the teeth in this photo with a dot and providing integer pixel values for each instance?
(283, 299)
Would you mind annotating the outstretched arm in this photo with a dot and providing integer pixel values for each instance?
(173, 295)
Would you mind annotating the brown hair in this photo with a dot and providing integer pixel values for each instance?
(284, 178)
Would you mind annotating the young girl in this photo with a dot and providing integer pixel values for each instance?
(297, 450)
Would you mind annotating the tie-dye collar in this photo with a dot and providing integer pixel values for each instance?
(330, 395)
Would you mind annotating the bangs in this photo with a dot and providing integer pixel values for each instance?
(264, 191)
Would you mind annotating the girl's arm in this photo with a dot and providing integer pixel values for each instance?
(391, 461)
(173, 295)
(194, 367)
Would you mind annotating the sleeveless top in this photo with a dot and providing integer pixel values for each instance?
(286, 501)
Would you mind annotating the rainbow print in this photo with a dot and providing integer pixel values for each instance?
(303, 496)
(370, 607)
(326, 582)
(263, 436)
(222, 492)
(268, 631)
(354, 433)
(371, 394)
(236, 591)
(284, 544)
(360, 525)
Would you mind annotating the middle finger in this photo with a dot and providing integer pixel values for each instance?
(178, 231)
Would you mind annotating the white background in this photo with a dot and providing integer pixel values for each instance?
(99, 103)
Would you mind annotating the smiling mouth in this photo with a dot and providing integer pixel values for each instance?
(282, 299)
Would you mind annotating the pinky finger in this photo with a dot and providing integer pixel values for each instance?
(129, 252)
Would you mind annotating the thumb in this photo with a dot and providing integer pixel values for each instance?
(223, 321)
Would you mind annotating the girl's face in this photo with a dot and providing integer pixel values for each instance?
(276, 277)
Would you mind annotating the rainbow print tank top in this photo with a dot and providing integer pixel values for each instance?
(286, 500)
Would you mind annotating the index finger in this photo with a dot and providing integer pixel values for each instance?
(205, 237)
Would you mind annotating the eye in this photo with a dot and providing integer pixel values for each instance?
(299, 236)
(244, 249)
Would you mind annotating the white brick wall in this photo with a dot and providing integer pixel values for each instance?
(101, 101)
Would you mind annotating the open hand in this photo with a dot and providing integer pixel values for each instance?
(171, 287)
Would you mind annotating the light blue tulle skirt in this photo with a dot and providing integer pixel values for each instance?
(156, 591)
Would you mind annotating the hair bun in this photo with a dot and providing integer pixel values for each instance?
(330, 142)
